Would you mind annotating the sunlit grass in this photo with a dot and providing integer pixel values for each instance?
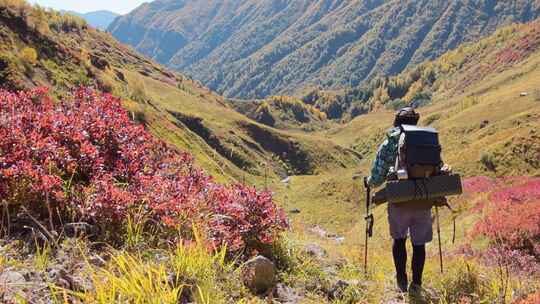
(130, 279)
(42, 257)
(188, 272)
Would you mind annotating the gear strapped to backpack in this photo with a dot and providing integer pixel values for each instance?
(417, 173)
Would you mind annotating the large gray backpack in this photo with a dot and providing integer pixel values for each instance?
(419, 152)
(419, 155)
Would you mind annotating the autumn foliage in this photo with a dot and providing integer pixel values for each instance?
(511, 214)
(532, 299)
(82, 159)
(478, 184)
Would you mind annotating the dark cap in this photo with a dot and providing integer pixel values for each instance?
(406, 116)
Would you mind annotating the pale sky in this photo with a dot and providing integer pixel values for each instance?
(82, 6)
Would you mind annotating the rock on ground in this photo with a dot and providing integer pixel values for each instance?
(259, 274)
(12, 284)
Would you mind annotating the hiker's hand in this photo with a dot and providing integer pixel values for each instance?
(440, 202)
(366, 181)
(446, 169)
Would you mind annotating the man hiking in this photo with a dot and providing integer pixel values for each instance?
(411, 218)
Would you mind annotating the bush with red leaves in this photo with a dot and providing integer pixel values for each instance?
(512, 217)
(82, 158)
(531, 299)
(478, 184)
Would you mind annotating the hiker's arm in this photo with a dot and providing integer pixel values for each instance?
(382, 164)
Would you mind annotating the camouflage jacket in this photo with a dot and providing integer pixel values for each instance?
(386, 157)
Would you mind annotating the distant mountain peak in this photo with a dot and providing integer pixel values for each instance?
(100, 19)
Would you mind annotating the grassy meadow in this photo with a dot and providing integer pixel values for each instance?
(487, 128)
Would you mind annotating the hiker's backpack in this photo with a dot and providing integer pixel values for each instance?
(419, 152)
(419, 175)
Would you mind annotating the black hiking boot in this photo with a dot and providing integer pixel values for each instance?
(415, 289)
(402, 283)
(416, 294)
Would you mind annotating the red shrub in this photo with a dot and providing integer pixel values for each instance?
(512, 217)
(478, 184)
(531, 299)
(244, 215)
(84, 156)
(529, 190)
(516, 224)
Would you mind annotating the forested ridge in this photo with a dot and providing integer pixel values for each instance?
(253, 49)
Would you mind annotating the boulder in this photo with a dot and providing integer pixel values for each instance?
(11, 278)
(12, 284)
(259, 274)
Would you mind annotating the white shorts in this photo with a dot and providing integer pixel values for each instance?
(405, 220)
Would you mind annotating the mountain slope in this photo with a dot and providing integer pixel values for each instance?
(485, 102)
(283, 112)
(449, 75)
(253, 49)
(488, 117)
(42, 48)
(98, 19)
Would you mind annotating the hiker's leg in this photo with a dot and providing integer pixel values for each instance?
(421, 233)
(399, 251)
(399, 221)
(418, 262)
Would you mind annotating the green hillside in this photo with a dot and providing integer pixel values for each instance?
(45, 48)
(283, 112)
(254, 49)
(96, 209)
(450, 75)
(488, 116)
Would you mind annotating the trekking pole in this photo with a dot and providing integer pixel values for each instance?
(369, 223)
(439, 237)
